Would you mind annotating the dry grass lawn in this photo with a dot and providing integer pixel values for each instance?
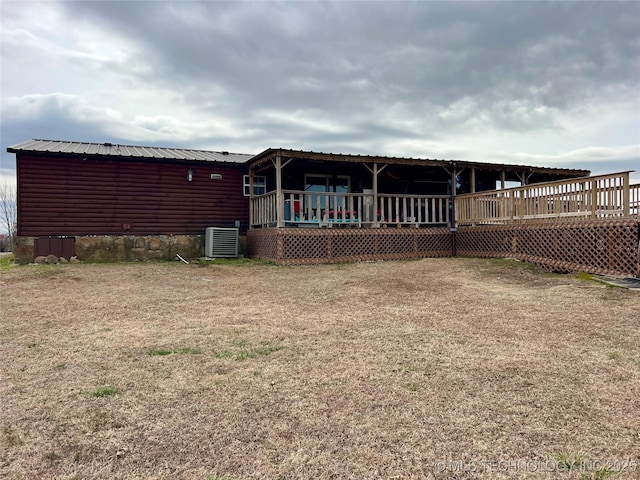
(376, 370)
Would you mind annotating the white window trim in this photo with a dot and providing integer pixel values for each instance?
(258, 181)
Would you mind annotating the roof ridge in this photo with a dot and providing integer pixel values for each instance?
(81, 142)
(104, 149)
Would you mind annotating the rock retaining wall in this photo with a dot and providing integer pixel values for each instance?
(114, 248)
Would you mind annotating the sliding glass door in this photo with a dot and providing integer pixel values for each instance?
(321, 183)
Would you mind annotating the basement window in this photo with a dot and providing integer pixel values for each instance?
(259, 185)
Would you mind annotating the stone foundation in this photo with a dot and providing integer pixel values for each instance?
(138, 248)
(23, 250)
(111, 248)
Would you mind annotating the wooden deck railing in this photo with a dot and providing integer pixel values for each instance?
(305, 208)
(602, 196)
(264, 210)
(414, 209)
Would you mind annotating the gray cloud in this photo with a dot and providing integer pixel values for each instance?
(557, 55)
(412, 78)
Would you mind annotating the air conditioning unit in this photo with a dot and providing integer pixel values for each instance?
(221, 242)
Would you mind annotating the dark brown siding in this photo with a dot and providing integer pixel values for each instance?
(72, 196)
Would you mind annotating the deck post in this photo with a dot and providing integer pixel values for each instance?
(524, 177)
(594, 198)
(279, 196)
(473, 180)
(503, 179)
(452, 220)
(376, 222)
(626, 196)
(374, 170)
(473, 190)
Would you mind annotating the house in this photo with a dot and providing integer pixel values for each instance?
(106, 202)
(103, 201)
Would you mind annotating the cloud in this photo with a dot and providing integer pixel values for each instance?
(552, 55)
(514, 81)
(71, 107)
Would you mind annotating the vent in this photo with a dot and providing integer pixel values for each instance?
(221, 242)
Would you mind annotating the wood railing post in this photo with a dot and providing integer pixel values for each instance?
(472, 205)
(626, 196)
(594, 198)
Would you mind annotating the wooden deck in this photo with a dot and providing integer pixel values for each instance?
(587, 224)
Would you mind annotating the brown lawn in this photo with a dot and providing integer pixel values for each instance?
(375, 370)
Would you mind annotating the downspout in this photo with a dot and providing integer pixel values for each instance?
(251, 174)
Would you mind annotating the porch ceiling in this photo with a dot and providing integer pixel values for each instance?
(287, 154)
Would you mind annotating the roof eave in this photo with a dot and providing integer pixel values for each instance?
(269, 153)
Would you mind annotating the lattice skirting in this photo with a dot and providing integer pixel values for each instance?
(300, 246)
(604, 246)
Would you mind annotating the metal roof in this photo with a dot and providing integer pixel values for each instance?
(184, 154)
(264, 157)
(130, 151)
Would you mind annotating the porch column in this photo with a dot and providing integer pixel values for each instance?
(473, 179)
(279, 196)
(452, 220)
(503, 179)
(524, 178)
(374, 187)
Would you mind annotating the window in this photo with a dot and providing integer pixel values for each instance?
(259, 185)
(327, 183)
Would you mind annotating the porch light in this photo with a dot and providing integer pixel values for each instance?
(190, 175)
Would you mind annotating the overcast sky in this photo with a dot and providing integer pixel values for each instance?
(547, 84)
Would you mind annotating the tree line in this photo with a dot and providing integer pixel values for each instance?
(8, 216)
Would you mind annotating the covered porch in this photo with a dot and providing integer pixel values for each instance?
(558, 219)
(297, 189)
